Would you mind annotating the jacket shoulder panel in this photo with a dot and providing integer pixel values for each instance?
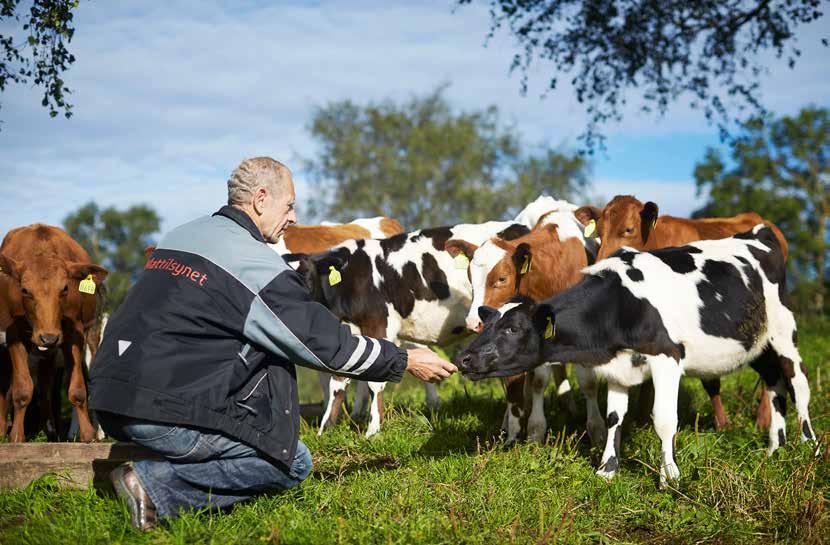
(223, 242)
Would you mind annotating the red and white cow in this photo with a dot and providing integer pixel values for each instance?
(539, 265)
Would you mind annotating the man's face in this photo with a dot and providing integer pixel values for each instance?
(276, 212)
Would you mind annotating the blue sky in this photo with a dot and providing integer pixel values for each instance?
(169, 97)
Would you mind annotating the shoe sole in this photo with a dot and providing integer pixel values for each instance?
(117, 478)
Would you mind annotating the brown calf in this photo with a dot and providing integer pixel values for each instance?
(537, 265)
(625, 221)
(43, 309)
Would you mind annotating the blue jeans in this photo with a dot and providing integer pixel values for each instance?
(202, 469)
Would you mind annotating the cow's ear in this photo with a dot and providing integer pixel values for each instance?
(148, 251)
(648, 219)
(11, 266)
(522, 260)
(325, 260)
(486, 313)
(456, 247)
(544, 321)
(587, 213)
(79, 271)
(306, 268)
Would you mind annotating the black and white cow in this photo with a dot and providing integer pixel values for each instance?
(705, 309)
(496, 275)
(405, 288)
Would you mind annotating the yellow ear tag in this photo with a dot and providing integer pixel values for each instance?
(525, 265)
(334, 276)
(654, 225)
(550, 330)
(461, 262)
(87, 285)
(590, 228)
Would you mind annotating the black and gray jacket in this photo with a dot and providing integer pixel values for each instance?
(209, 334)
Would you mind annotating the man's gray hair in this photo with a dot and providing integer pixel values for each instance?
(251, 174)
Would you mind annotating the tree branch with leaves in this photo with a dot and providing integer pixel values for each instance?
(39, 53)
(707, 50)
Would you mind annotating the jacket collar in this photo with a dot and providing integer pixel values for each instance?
(241, 218)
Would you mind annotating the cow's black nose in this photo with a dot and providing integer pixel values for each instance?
(49, 340)
(464, 361)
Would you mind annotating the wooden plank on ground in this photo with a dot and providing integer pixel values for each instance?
(78, 464)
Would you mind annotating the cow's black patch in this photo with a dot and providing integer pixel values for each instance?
(774, 269)
(680, 260)
(795, 337)
(611, 465)
(805, 430)
(361, 243)
(626, 256)
(411, 280)
(393, 288)
(745, 235)
(730, 308)
(513, 232)
(439, 236)
(612, 419)
(635, 274)
(435, 277)
(599, 317)
(780, 404)
(393, 244)
(782, 439)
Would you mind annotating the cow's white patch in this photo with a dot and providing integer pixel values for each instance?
(531, 213)
(485, 258)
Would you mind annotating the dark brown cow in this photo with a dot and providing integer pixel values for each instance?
(625, 221)
(42, 309)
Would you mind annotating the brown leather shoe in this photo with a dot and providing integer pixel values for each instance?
(129, 489)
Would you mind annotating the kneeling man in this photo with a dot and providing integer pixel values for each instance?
(197, 364)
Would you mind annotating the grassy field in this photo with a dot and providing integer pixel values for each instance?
(447, 478)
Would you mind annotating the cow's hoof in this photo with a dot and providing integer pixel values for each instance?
(668, 472)
(536, 431)
(607, 475)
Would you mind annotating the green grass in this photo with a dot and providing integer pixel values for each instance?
(446, 478)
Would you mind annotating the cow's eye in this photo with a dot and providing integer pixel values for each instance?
(510, 330)
(629, 231)
(502, 279)
(65, 291)
(25, 292)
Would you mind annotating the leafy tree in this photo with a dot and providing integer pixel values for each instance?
(115, 239)
(42, 56)
(708, 50)
(426, 165)
(780, 168)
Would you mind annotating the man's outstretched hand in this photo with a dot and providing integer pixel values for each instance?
(429, 366)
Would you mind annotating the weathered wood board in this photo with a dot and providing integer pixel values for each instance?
(77, 464)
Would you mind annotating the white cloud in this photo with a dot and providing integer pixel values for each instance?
(170, 96)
